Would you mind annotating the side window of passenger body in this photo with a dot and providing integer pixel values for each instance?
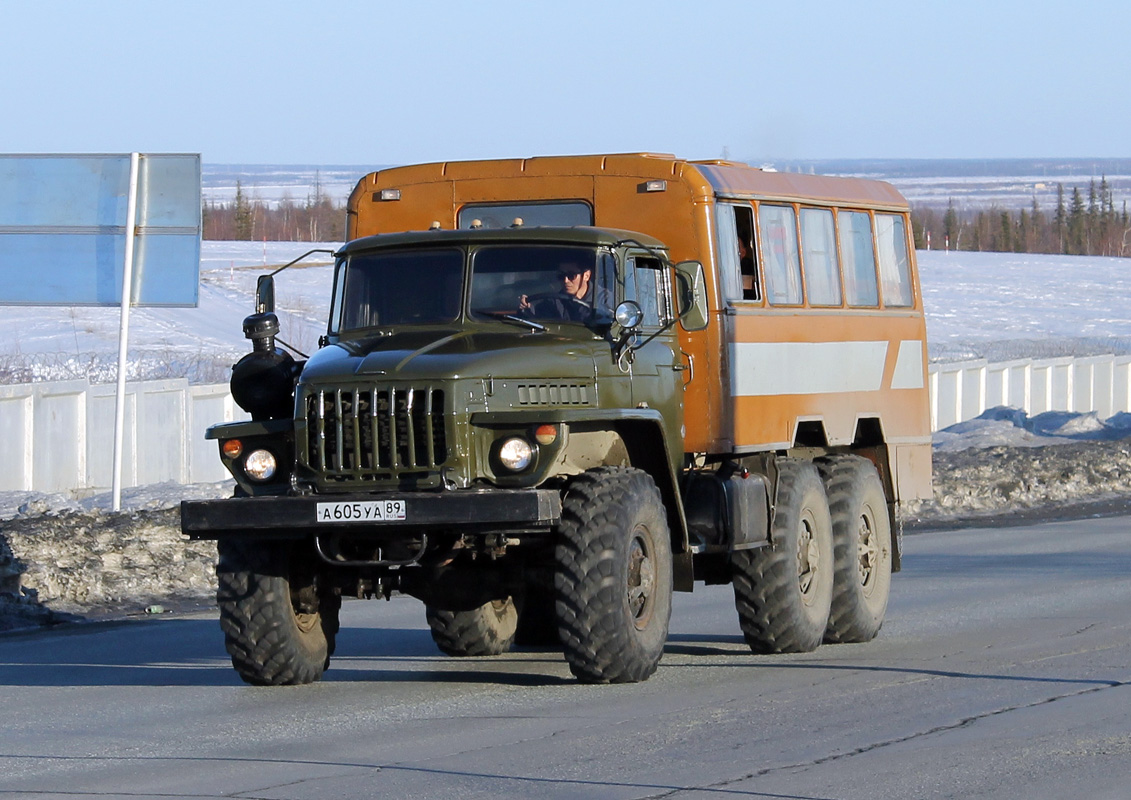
(859, 257)
(818, 249)
(738, 263)
(779, 251)
(747, 260)
(895, 265)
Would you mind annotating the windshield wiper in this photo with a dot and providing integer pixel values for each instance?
(535, 326)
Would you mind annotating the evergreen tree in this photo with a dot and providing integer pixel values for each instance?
(1005, 244)
(1076, 224)
(950, 226)
(1034, 243)
(1078, 227)
(243, 216)
(1061, 221)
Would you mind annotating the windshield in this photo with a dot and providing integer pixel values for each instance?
(543, 282)
(555, 283)
(410, 287)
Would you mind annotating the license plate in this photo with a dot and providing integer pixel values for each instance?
(362, 511)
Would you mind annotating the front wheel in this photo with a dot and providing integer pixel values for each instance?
(783, 592)
(278, 628)
(614, 576)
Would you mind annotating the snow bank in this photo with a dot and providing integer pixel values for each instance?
(1012, 427)
(61, 557)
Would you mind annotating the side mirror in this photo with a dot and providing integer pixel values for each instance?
(265, 294)
(692, 286)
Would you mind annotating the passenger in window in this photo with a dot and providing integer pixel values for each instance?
(747, 267)
(578, 299)
(747, 270)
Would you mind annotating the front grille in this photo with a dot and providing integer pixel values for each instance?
(375, 433)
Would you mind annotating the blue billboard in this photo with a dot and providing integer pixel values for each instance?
(63, 224)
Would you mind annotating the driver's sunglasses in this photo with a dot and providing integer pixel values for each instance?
(569, 275)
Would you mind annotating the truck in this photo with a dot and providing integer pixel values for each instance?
(553, 391)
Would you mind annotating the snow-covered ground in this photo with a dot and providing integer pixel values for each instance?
(1015, 305)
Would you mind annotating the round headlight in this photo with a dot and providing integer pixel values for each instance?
(260, 465)
(516, 454)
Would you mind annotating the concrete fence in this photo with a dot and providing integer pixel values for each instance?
(60, 436)
(963, 390)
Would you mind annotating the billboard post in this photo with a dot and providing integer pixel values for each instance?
(124, 332)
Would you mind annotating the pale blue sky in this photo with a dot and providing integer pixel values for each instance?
(364, 83)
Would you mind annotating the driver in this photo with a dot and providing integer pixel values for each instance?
(575, 300)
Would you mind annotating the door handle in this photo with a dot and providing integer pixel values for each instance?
(689, 367)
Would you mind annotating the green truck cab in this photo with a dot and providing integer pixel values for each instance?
(493, 423)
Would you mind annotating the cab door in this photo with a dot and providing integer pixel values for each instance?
(653, 361)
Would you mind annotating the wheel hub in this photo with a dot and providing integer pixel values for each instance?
(641, 581)
(808, 558)
(304, 604)
(869, 552)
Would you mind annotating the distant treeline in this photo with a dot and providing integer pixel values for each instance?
(1077, 226)
(316, 219)
(1082, 223)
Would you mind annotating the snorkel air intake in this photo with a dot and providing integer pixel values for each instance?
(263, 381)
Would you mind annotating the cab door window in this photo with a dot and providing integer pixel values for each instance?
(646, 283)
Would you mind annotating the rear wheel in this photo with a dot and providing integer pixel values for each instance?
(484, 631)
(278, 628)
(614, 576)
(862, 544)
(783, 592)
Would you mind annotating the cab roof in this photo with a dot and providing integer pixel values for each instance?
(579, 235)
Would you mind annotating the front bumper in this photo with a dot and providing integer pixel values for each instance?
(496, 510)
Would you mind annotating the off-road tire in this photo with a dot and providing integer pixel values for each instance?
(862, 546)
(613, 578)
(269, 632)
(485, 631)
(783, 592)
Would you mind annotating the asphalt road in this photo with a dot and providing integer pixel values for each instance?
(1003, 671)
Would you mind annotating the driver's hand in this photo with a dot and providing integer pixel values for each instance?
(524, 303)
